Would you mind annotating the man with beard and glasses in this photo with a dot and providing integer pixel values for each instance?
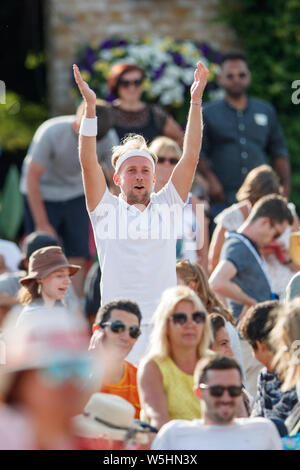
(136, 232)
(240, 133)
(218, 384)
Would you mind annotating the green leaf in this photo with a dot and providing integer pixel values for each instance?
(11, 213)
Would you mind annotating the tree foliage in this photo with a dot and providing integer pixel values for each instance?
(269, 33)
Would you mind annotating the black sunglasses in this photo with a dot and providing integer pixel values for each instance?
(127, 83)
(119, 327)
(172, 160)
(240, 75)
(218, 390)
(182, 318)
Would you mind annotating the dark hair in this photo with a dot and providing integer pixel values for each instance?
(216, 322)
(272, 206)
(116, 73)
(103, 314)
(215, 362)
(233, 55)
(258, 323)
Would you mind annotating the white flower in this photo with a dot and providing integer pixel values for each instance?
(173, 95)
(106, 54)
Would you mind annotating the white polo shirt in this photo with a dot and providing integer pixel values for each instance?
(137, 249)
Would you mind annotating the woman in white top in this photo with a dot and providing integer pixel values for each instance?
(258, 183)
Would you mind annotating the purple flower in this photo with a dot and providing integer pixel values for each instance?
(205, 49)
(108, 44)
(217, 57)
(88, 59)
(109, 97)
(122, 43)
(158, 72)
(177, 58)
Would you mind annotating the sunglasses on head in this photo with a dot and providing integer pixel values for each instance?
(218, 390)
(172, 160)
(182, 318)
(58, 373)
(118, 327)
(240, 75)
(126, 83)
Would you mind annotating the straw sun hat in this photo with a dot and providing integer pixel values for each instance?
(108, 416)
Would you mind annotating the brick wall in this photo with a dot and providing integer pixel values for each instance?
(70, 23)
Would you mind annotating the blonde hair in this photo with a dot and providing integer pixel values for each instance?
(283, 338)
(29, 292)
(192, 272)
(131, 142)
(159, 342)
(162, 144)
(259, 182)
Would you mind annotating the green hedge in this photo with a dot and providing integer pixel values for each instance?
(269, 33)
(19, 120)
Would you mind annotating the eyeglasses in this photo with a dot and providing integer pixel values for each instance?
(182, 318)
(172, 160)
(58, 373)
(127, 83)
(218, 390)
(230, 76)
(119, 327)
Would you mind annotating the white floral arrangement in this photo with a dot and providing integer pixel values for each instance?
(168, 63)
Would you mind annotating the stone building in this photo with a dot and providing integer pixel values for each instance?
(70, 23)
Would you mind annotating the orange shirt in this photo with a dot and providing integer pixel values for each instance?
(126, 388)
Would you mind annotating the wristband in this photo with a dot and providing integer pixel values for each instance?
(88, 127)
(196, 102)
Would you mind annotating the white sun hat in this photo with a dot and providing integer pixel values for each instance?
(111, 417)
(50, 336)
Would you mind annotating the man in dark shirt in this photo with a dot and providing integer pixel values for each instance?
(240, 133)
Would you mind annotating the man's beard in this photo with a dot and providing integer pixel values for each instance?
(221, 419)
(142, 198)
(236, 93)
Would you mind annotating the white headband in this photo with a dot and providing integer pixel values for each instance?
(134, 153)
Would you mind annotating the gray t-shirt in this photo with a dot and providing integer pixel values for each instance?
(250, 277)
(55, 146)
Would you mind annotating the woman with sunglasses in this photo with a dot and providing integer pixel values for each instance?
(169, 153)
(130, 114)
(192, 275)
(115, 332)
(180, 337)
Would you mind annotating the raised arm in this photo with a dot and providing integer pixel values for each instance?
(92, 173)
(184, 171)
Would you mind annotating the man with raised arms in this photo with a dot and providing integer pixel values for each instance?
(135, 238)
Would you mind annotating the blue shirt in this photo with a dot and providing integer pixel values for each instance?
(235, 141)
